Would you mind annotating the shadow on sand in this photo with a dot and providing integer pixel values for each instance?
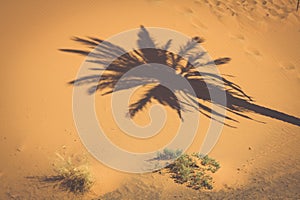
(238, 102)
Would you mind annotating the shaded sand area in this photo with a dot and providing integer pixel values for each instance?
(259, 158)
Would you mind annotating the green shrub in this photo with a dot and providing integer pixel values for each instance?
(194, 171)
(168, 154)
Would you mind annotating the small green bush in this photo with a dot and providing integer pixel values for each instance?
(168, 154)
(194, 170)
(211, 164)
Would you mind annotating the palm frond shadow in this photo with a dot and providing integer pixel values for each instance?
(238, 102)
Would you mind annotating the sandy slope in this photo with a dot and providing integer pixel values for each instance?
(262, 39)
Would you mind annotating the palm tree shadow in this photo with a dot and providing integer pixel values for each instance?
(99, 52)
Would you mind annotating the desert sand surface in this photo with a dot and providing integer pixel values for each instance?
(259, 158)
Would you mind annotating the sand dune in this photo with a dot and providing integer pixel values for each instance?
(259, 158)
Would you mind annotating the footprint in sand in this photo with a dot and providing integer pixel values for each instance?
(185, 11)
(238, 37)
(255, 9)
(287, 66)
(254, 53)
(20, 148)
(288, 70)
(188, 10)
(198, 24)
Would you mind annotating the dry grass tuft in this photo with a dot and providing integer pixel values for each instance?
(75, 178)
(72, 178)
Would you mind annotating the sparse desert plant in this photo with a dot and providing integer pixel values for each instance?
(210, 163)
(194, 171)
(75, 178)
(168, 154)
(201, 180)
(182, 168)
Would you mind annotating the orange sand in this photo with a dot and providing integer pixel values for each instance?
(263, 42)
